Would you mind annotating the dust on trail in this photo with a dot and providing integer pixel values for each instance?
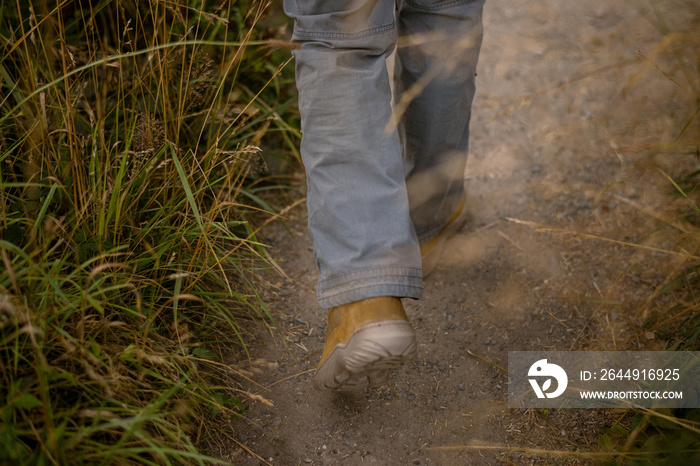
(544, 148)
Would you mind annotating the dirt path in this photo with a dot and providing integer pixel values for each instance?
(545, 148)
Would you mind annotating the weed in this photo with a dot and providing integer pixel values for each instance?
(127, 133)
(653, 128)
(665, 436)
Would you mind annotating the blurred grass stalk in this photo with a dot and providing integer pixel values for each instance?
(127, 132)
(667, 136)
(667, 436)
(656, 124)
(663, 134)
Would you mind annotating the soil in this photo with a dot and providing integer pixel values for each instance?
(564, 98)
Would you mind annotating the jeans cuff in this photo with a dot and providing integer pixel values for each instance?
(401, 282)
(429, 232)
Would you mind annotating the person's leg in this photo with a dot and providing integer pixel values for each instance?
(439, 43)
(366, 249)
(358, 206)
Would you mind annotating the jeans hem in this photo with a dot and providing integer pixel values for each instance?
(400, 282)
(427, 234)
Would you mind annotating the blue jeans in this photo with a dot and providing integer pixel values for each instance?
(377, 189)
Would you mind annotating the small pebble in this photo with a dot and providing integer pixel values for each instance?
(461, 386)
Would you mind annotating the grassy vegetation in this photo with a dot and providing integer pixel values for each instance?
(672, 311)
(130, 137)
(655, 124)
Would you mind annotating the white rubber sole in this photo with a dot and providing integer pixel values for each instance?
(367, 358)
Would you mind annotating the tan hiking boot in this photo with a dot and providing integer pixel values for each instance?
(364, 340)
(431, 251)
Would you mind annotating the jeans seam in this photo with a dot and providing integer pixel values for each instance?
(302, 34)
(439, 7)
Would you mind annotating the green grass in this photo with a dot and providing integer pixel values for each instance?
(129, 132)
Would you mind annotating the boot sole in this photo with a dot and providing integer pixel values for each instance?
(365, 361)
